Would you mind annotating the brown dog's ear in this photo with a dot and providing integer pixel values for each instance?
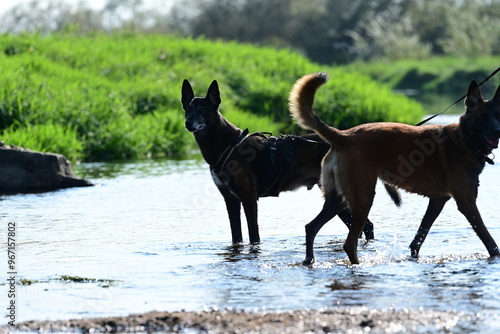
(474, 97)
(187, 93)
(213, 94)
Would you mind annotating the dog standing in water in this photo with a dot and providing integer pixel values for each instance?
(439, 162)
(247, 166)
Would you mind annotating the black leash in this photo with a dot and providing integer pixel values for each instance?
(460, 99)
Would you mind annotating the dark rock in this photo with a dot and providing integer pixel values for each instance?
(24, 171)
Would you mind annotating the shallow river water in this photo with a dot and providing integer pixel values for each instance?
(154, 235)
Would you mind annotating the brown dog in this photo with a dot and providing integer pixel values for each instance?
(436, 161)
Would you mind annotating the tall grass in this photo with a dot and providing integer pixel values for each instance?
(47, 138)
(437, 81)
(118, 97)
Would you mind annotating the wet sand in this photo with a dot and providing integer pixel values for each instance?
(343, 320)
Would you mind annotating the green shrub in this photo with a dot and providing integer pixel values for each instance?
(444, 75)
(436, 82)
(54, 138)
(119, 95)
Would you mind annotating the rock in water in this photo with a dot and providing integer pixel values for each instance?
(24, 171)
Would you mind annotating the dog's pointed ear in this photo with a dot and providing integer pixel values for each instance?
(496, 98)
(187, 93)
(474, 97)
(213, 94)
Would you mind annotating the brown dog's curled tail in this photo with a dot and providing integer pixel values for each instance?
(301, 102)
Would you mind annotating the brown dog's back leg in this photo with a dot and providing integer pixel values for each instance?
(359, 218)
(333, 204)
(470, 211)
(346, 217)
(434, 208)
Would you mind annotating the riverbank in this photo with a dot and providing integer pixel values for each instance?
(343, 320)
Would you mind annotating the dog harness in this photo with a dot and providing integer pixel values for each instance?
(280, 159)
(279, 152)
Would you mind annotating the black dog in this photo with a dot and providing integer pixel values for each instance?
(247, 166)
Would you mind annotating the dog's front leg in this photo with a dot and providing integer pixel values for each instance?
(470, 211)
(233, 206)
(250, 207)
(333, 204)
(434, 208)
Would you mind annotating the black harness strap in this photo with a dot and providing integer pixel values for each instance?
(280, 156)
(272, 142)
(221, 162)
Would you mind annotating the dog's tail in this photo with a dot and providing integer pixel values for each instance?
(301, 101)
(394, 194)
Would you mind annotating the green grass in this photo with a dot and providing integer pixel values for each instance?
(47, 137)
(437, 81)
(105, 97)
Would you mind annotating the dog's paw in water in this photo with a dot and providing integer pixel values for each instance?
(308, 261)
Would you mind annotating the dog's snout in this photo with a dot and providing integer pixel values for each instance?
(193, 126)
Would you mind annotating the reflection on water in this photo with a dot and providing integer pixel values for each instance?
(160, 229)
(146, 168)
(235, 253)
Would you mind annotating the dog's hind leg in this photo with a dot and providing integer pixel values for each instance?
(469, 209)
(359, 196)
(333, 204)
(233, 206)
(346, 217)
(434, 208)
(368, 230)
(359, 217)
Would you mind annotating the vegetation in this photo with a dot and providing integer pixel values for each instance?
(326, 31)
(343, 31)
(78, 279)
(105, 283)
(104, 84)
(102, 97)
(443, 78)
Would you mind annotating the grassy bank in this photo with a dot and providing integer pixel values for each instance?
(100, 97)
(436, 82)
